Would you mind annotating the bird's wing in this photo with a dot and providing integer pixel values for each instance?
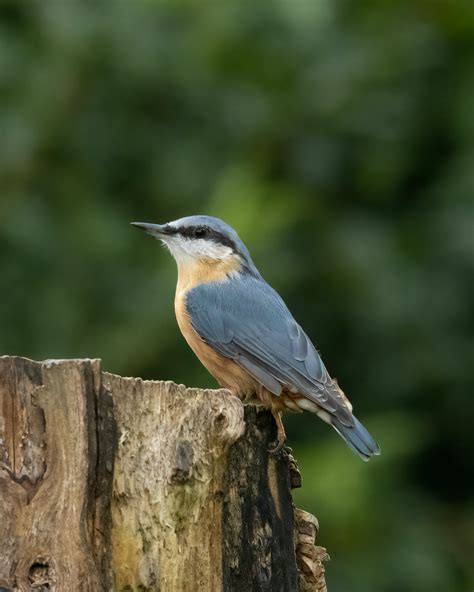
(246, 320)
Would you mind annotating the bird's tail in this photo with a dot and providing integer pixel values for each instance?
(357, 438)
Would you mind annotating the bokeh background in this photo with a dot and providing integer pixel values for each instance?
(338, 138)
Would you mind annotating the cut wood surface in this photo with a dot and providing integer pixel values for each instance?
(123, 485)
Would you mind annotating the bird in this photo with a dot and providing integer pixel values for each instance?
(244, 334)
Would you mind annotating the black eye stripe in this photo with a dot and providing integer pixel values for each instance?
(167, 229)
(201, 231)
(208, 234)
(186, 231)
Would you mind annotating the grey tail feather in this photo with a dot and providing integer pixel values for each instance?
(357, 438)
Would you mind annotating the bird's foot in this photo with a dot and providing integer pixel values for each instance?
(277, 447)
(281, 435)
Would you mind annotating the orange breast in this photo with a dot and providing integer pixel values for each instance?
(227, 373)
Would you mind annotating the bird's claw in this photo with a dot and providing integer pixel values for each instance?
(281, 436)
(279, 446)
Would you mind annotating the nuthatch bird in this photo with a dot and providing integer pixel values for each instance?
(244, 334)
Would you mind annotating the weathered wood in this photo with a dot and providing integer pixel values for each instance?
(169, 484)
(310, 557)
(118, 484)
(54, 489)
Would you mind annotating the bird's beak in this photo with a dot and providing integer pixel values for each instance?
(157, 230)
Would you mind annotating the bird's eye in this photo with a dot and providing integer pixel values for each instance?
(200, 232)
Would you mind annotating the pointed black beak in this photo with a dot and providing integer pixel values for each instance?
(153, 229)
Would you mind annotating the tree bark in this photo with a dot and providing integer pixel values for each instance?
(123, 485)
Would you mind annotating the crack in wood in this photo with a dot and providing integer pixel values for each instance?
(186, 499)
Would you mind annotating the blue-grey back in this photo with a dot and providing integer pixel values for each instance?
(244, 319)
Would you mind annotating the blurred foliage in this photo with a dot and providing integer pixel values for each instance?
(338, 139)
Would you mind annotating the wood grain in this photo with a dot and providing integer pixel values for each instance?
(54, 489)
(111, 484)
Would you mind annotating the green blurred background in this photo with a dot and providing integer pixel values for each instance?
(338, 139)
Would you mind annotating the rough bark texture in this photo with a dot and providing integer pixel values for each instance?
(54, 487)
(118, 484)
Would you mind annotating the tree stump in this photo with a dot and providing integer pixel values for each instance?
(123, 485)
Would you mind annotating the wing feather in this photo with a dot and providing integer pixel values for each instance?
(247, 321)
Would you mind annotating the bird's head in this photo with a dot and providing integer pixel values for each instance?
(197, 240)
